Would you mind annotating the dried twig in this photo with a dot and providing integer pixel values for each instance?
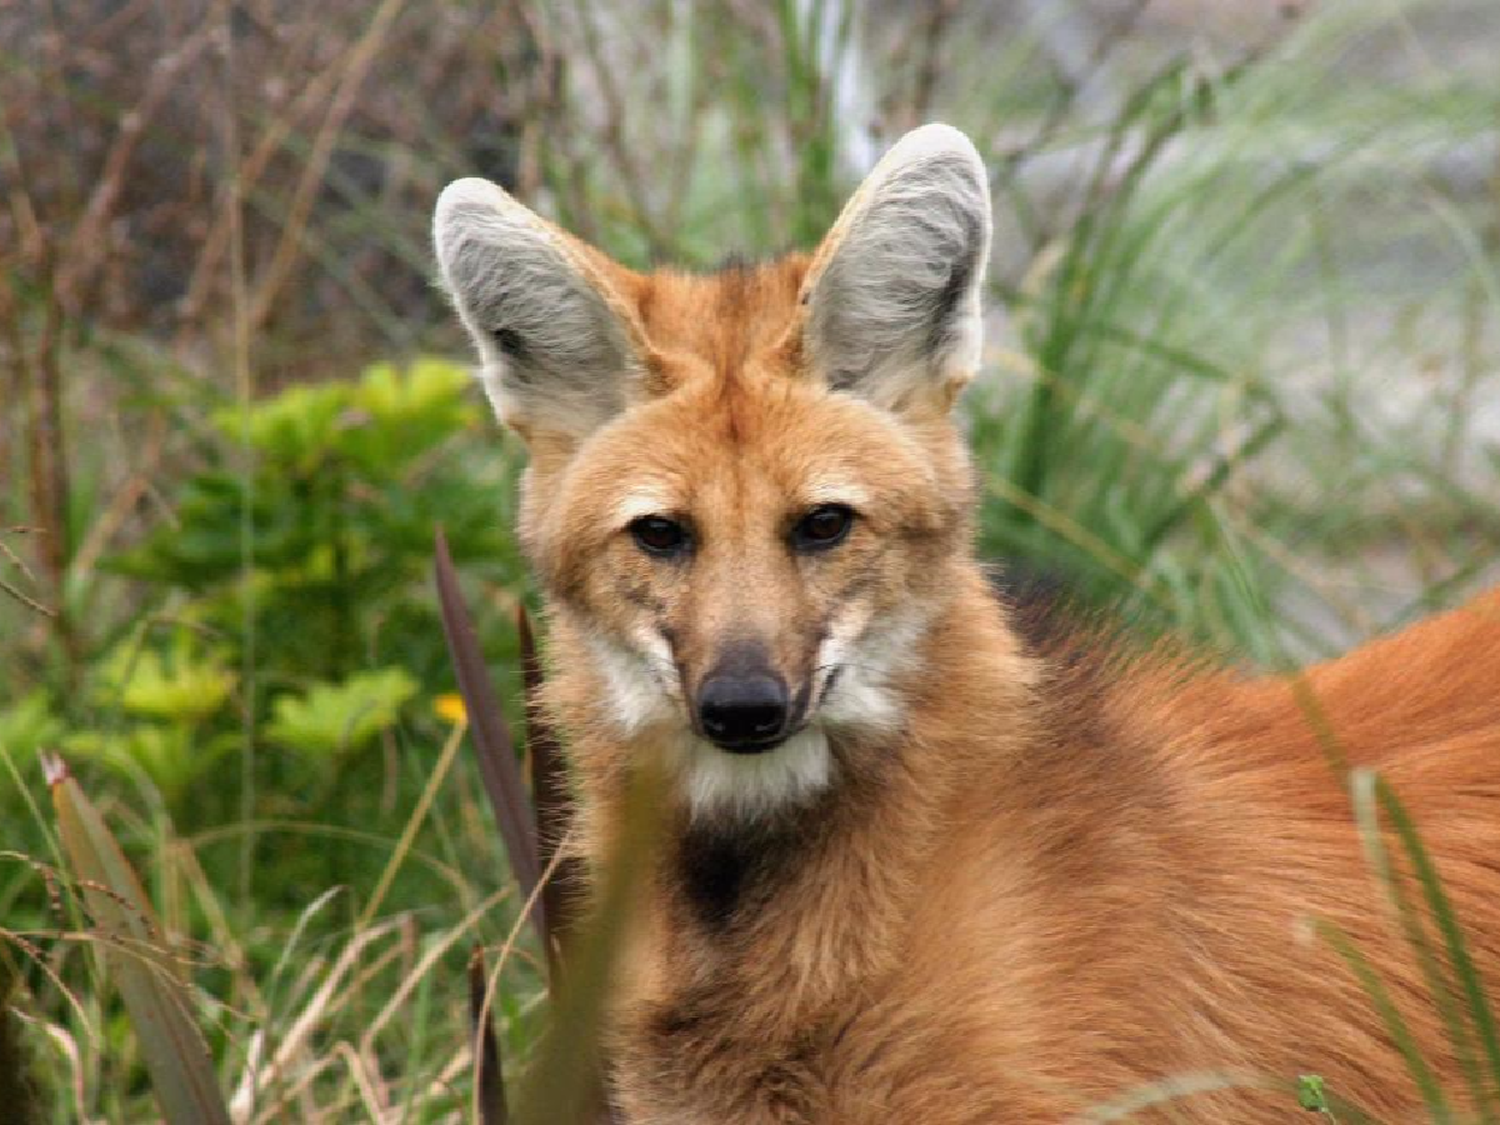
(289, 250)
(79, 267)
(216, 243)
(29, 602)
(123, 502)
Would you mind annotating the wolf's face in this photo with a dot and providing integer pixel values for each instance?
(745, 493)
(751, 570)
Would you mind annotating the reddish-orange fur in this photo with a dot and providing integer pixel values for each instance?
(1034, 912)
(1072, 870)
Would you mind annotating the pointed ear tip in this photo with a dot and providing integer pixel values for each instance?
(936, 139)
(471, 192)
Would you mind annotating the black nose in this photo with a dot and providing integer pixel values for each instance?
(744, 714)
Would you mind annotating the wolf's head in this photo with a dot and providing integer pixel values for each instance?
(746, 499)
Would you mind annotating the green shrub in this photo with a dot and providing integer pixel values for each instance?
(289, 632)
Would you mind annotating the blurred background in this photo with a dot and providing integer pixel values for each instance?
(1241, 384)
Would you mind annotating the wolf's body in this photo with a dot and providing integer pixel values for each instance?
(926, 862)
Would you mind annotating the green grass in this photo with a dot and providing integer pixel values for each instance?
(1249, 336)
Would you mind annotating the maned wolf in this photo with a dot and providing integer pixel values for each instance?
(927, 862)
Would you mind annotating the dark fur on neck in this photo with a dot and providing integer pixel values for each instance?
(727, 871)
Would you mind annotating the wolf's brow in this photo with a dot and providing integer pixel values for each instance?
(833, 490)
(642, 503)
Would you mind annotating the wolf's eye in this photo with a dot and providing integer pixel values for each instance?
(657, 535)
(824, 526)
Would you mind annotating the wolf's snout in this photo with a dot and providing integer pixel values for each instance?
(743, 713)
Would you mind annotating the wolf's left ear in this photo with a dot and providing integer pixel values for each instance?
(893, 293)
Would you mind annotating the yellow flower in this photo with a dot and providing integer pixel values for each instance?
(451, 707)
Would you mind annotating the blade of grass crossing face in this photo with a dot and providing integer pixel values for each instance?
(154, 988)
(492, 741)
(549, 796)
(1363, 788)
(1447, 922)
(549, 792)
(559, 1086)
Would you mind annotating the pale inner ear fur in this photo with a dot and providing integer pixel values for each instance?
(893, 294)
(559, 349)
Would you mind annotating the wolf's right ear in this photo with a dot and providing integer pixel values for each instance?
(561, 350)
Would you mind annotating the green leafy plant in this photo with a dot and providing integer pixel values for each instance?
(332, 718)
(184, 682)
(306, 568)
(286, 609)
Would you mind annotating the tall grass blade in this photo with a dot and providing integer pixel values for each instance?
(567, 1080)
(492, 741)
(1453, 938)
(154, 989)
(1364, 790)
(549, 797)
(560, 1086)
(1223, 469)
(489, 1080)
(549, 791)
(549, 794)
(1395, 1025)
